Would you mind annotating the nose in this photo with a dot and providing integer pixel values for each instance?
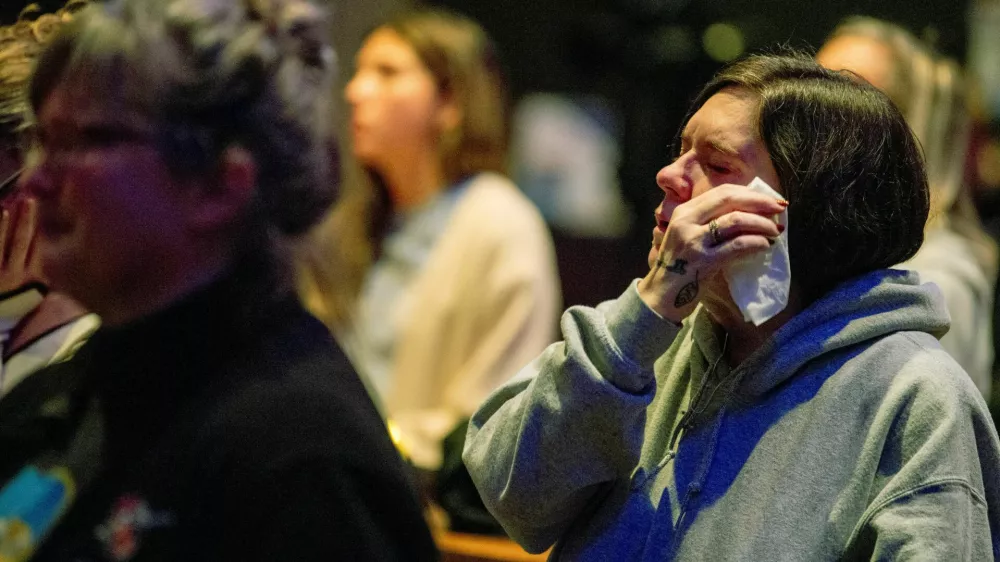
(357, 88)
(675, 180)
(351, 90)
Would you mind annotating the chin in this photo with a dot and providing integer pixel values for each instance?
(365, 151)
(363, 156)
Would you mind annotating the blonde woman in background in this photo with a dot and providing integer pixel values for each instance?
(435, 272)
(957, 254)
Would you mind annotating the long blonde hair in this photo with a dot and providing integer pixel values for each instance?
(933, 93)
(462, 60)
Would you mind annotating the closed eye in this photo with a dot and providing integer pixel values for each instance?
(715, 168)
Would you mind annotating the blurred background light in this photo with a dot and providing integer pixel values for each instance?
(723, 42)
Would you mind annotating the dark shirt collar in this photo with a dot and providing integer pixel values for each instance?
(145, 371)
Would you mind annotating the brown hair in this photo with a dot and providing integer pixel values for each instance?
(461, 58)
(847, 162)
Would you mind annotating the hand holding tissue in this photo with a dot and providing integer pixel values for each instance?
(759, 283)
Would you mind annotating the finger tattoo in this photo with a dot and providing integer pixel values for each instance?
(677, 267)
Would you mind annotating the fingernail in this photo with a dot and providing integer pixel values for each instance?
(781, 228)
(771, 241)
(783, 202)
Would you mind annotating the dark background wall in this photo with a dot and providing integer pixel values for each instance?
(646, 59)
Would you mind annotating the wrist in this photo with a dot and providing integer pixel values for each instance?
(661, 300)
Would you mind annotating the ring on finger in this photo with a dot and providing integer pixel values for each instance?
(713, 230)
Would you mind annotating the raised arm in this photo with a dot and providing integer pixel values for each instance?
(541, 447)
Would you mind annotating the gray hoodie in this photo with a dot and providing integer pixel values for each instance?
(849, 435)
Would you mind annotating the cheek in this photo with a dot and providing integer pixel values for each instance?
(117, 218)
(398, 123)
(122, 194)
(764, 169)
(771, 178)
(96, 189)
(704, 183)
(411, 106)
(412, 125)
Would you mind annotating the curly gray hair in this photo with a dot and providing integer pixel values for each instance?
(213, 74)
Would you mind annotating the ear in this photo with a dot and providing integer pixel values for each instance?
(449, 113)
(220, 204)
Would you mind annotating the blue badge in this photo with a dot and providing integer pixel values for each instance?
(30, 505)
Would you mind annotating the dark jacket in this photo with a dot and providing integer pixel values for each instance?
(228, 427)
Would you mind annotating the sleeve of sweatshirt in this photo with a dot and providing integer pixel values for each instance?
(941, 456)
(541, 447)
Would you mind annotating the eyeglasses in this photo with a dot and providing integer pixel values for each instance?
(9, 184)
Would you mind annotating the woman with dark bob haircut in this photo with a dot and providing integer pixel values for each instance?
(181, 148)
(708, 413)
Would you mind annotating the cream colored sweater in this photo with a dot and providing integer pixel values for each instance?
(485, 304)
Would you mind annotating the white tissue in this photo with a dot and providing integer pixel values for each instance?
(759, 283)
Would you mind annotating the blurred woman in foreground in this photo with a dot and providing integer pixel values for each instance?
(181, 148)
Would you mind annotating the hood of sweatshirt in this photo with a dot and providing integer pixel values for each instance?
(867, 307)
